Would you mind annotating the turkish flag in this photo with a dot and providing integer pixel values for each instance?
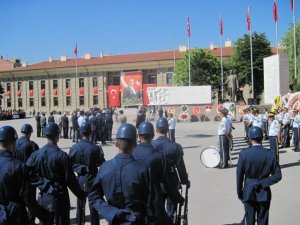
(75, 50)
(55, 92)
(221, 26)
(145, 92)
(113, 96)
(188, 27)
(68, 92)
(81, 91)
(292, 5)
(19, 93)
(43, 92)
(8, 93)
(31, 93)
(95, 90)
(275, 11)
(248, 19)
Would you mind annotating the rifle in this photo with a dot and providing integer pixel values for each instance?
(178, 213)
(185, 210)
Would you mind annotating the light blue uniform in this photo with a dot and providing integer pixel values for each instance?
(274, 130)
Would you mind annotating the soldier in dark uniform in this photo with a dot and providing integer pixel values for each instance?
(15, 187)
(65, 125)
(51, 118)
(174, 155)
(257, 170)
(54, 168)
(101, 128)
(24, 148)
(38, 125)
(124, 182)
(86, 157)
(141, 117)
(74, 119)
(93, 122)
(108, 126)
(160, 174)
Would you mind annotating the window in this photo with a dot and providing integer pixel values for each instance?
(95, 100)
(43, 84)
(81, 100)
(116, 80)
(31, 102)
(8, 102)
(81, 82)
(55, 84)
(19, 84)
(151, 79)
(68, 101)
(20, 102)
(68, 83)
(55, 101)
(95, 82)
(169, 78)
(43, 101)
(8, 86)
(30, 84)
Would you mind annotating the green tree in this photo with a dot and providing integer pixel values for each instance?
(240, 60)
(205, 69)
(288, 45)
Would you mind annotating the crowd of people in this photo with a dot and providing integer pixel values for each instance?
(9, 114)
(140, 185)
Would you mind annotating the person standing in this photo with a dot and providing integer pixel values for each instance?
(75, 127)
(38, 124)
(109, 125)
(93, 122)
(223, 132)
(266, 124)
(296, 129)
(59, 123)
(81, 118)
(285, 129)
(51, 118)
(141, 117)
(257, 170)
(15, 186)
(53, 167)
(86, 157)
(122, 118)
(43, 124)
(70, 126)
(65, 125)
(172, 127)
(274, 129)
(124, 182)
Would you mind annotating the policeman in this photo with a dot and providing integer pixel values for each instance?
(100, 128)
(93, 122)
(15, 185)
(24, 148)
(174, 156)
(54, 168)
(38, 124)
(285, 128)
(273, 134)
(124, 182)
(108, 125)
(257, 170)
(223, 132)
(160, 173)
(296, 129)
(86, 157)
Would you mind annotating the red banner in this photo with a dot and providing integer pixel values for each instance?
(19, 93)
(81, 91)
(113, 96)
(31, 93)
(68, 92)
(145, 92)
(43, 92)
(55, 92)
(95, 90)
(8, 93)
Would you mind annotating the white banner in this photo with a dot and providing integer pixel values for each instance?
(188, 95)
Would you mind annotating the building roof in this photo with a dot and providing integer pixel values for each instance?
(6, 65)
(117, 59)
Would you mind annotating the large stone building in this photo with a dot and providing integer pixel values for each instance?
(54, 86)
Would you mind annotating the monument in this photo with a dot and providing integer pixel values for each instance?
(232, 86)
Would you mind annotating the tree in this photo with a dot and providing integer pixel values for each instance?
(288, 45)
(205, 69)
(241, 60)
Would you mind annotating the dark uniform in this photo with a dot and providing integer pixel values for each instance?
(108, 126)
(257, 170)
(124, 182)
(51, 118)
(65, 125)
(93, 122)
(54, 168)
(38, 125)
(86, 157)
(74, 119)
(100, 128)
(24, 148)
(15, 187)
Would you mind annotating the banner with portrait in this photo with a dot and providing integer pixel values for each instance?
(131, 88)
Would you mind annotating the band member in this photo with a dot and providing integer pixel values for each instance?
(285, 128)
(274, 129)
(296, 129)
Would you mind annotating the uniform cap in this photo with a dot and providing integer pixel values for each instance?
(255, 132)
(86, 128)
(146, 128)
(8, 134)
(26, 128)
(126, 131)
(52, 129)
(162, 124)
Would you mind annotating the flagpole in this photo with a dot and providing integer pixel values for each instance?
(295, 44)
(76, 74)
(277, 37)
(251, 57)
(189, 61)
(221, 44)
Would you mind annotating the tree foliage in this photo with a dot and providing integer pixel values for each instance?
(288, 45)
(205, 69)
(241, 61)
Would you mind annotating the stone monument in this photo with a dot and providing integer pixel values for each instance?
(232, 85)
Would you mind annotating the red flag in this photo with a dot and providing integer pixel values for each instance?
(275, 13)
(113, 95)
(248, 19)
(188, 27)
(81, 91)
(221, 26)
(292, 5)
(75, 50)
(68, 92)
(31, 93)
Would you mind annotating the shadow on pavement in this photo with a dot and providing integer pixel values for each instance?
(200, 135)
(290, 165)
(196, 146)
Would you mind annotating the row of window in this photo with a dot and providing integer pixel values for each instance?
(55, 101)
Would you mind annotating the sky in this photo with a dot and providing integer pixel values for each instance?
(33, 30)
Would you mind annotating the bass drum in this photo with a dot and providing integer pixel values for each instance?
(210, 157)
